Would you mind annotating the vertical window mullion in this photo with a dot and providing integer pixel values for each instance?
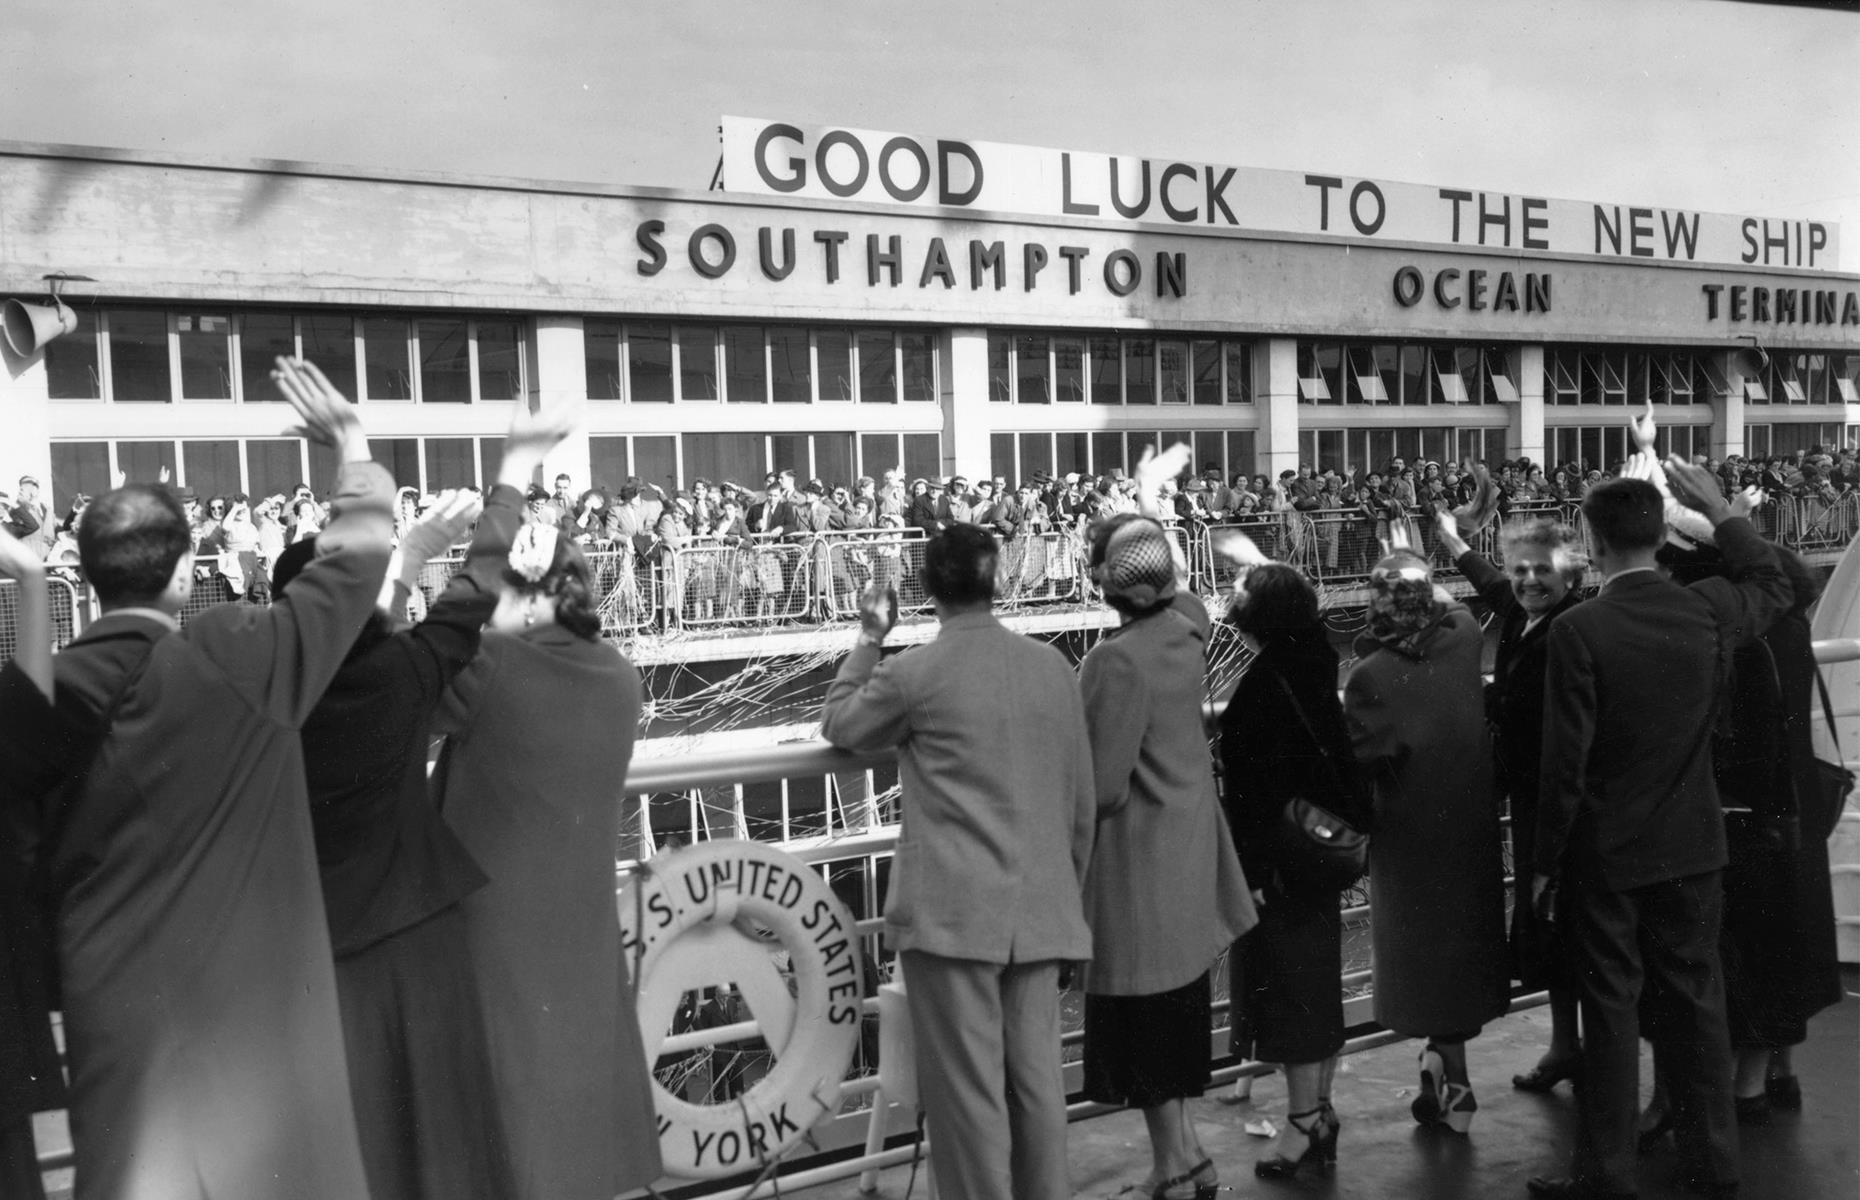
(471, 371)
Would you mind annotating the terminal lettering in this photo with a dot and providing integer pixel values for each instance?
(1781, 306)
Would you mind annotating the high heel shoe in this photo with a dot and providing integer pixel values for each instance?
(1458, 1107)
(1206, 1179)
(1335, 1125)
(1320, 1147)
(1543, 1078)
(1429, 1104)
(1650, 1137)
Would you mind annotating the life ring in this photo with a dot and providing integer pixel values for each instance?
(690, 920)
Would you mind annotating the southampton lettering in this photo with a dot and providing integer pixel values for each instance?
(892, 261)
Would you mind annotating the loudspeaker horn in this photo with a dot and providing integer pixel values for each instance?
(29, 326)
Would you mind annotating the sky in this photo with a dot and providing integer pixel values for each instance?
(1702, 104)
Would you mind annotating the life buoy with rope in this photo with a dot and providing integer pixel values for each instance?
(710, 915)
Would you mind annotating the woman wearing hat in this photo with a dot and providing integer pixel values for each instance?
(1415, 709)
(1164, 893)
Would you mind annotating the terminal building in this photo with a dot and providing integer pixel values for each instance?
(851, 301)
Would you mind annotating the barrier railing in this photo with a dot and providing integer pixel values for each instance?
(773, 581)
(68, 613)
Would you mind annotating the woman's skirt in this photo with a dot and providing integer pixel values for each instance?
(1142, 1051)
(1287, 1002)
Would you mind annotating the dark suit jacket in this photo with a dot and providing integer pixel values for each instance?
(201, 1018)
(1630, 698)
(387, 859)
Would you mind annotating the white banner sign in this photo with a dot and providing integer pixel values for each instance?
(820, 162)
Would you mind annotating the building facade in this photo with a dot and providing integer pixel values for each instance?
(719, 335)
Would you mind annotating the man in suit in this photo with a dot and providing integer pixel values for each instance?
(999, 816)
(1630, 841)
(201, 1024)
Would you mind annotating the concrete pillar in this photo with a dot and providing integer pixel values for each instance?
(1727, 412)
(966, 423)
(1277, 395)
(1527, 416)
(558, 374)
(27, 447)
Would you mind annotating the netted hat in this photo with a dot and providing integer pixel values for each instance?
(1138, 568)
(1401, 595)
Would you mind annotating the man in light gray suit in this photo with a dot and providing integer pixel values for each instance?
(984, 903)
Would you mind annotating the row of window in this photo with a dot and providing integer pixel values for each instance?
(1606, 447)
(152, 356)
(1761, 441)
(1797, 378)
(263, 466)
(1044, 368)
(1403, 373)
(1018, 457)
(663, 362)
(670, 461)
(1610, 375)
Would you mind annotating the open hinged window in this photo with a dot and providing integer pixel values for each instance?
(1372, 385)
(1500, 386)
(1672, 378)
(1450, 383)
(1559, 369)
(1715, 378)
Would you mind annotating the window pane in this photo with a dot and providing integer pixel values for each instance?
(1139, 371)
(1239, 373)
(401, 456)
(1106, 372)
(1206, 451)
(787, 452)
(211, 468)
(71, 363)
(323, 466)
(649, 363)
(329, 342)
(655, 460)
(600, 349)
(263, 338)
(736, 457)
(1207, 372)
(1071, 452)
(923, 455)
(1328, 357)
(1240, 452)
(607, 458)
(1107, 451)
(790, 375)
(878, 373)
(918, 350)
(832, 459)
(139, 358)
(387, 357)
(1069, 370)
(1032, 370)
(500, 360)
(450, 463)
(697, 362)
(445, 362)
(878, 453)
(206, 356)
(834, 348)
(1172, 371)
(273, 466)
(78, 467)
(1036, 455)
(1414, 384)
(1001, 454)
(1000, 367)
(490, 458)
(743, 362)
(143, 462)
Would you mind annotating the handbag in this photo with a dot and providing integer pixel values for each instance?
(1821, 809)
(1314, 846)
(1761, 813)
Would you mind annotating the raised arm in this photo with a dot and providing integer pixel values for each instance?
(1756, 592)
(865, 710)
(1487, 579)
(282, 658)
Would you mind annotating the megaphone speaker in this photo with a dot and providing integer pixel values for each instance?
(29, 326)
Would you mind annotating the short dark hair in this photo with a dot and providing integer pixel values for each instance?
(1626, 514)
(959, 566)
(129, 542)
(1275, 597)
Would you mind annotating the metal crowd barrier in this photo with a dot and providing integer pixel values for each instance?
(781, 580)
(70, 612)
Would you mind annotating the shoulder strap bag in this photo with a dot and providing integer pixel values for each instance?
(1315, 847)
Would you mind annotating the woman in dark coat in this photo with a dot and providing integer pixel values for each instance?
(1543, 567)
(393, 874)
(1777, 943)
(1161, 907)
(1286, 987)
(1417, 718)
(540, 733)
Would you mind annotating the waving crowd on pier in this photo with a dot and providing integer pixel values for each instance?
(290, 964)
